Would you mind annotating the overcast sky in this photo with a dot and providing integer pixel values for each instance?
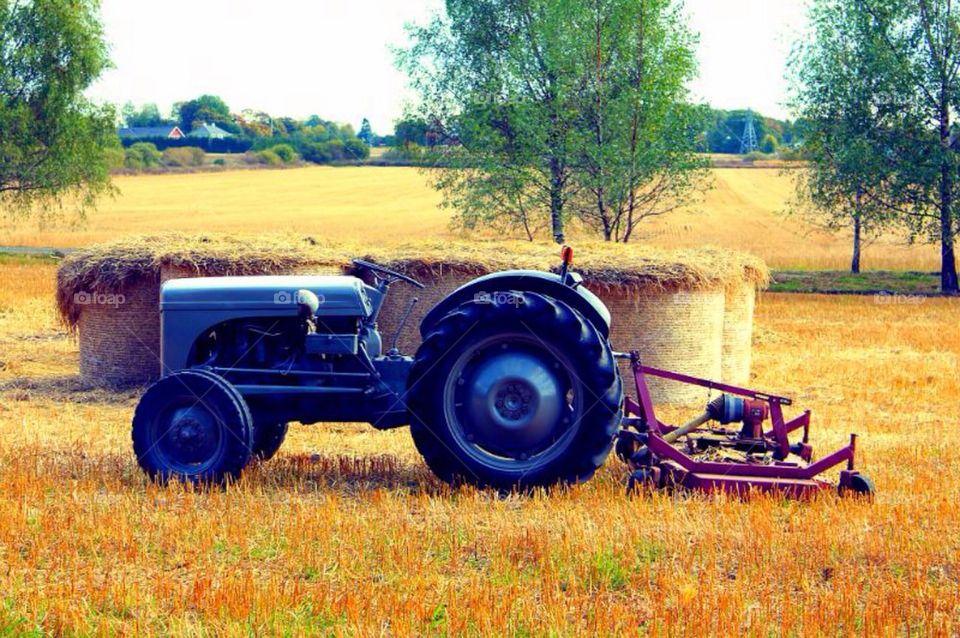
(332, 57)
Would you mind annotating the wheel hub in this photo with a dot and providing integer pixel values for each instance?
(514, 400)
(510, 402)
(192, 435)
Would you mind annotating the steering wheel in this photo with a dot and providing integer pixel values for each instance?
(392, 275)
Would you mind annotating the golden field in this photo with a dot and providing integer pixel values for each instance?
(347, 533)
(746, 209)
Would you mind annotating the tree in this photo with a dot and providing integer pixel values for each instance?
(204, 109)
(142, 155)
(922, 41)
(147, 115)
(635, 139)
(504, 84)
(492, 76)
(769, 144)
(366, 132)
(54, 143)
(841, 96)
(910, 50)
(411, 131)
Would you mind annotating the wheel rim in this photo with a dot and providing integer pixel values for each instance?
(512, 402)
(188, 437)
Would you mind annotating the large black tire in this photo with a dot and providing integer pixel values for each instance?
(194, 426)
(267, 439)
(514, 390)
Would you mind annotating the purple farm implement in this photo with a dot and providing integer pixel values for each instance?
(703, 454)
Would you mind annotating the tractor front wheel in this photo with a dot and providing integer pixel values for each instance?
(514, 390)
(194, 426)
(267, 439)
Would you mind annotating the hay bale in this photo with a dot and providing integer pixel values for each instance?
(669, 305)
(738, 332)
(120, 334)
(120, 342)
(398, 300)
(679, 330)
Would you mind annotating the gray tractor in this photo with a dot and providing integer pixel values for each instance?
(514, 385)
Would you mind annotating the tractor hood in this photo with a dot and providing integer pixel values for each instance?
(339, 296)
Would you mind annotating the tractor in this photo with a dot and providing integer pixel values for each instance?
(514, 386)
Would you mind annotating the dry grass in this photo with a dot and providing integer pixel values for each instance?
(361, 540)
(632, 269)
(744, 211)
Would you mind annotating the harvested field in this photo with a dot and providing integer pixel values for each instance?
(347, 533)
(745, 210)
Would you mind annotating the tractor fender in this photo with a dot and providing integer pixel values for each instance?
(546, 283)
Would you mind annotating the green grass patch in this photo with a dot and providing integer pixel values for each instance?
(830, 281)
(27, 259)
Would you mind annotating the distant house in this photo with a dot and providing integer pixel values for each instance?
(210, 131)
(141, 132)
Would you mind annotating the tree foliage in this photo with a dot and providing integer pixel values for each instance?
(723, 130)
(146, 115)
(634, 141)
(205, 109)
(54, 143)
(514, 93)
(366, 132)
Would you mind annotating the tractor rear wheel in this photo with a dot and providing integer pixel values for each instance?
(514, 390)
(194, 426)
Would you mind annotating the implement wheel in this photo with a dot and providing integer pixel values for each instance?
(514, 390)
(860, 486)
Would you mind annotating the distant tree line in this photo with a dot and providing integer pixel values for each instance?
(723, 132)
(312, 139)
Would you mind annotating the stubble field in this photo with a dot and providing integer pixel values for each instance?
(745, 209)
(347, 533)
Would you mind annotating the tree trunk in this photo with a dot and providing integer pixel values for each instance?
(855, 262)
(948, 263)
(556, 200)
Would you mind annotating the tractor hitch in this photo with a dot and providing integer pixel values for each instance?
(703, 455)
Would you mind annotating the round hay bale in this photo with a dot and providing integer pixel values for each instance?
(119, 334)
(738, 333)
(667, 304)
(679, 330)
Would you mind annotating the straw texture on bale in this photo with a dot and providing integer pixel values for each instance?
(679, 330)
(667, 304)
(738, 333)
(120, 336)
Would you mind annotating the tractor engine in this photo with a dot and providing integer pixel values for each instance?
(297, 348)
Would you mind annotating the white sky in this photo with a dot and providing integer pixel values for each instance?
(332, 57)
